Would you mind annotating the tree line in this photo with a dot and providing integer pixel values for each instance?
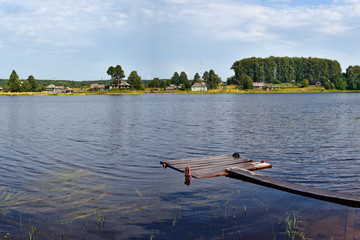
(297, 70)
(211, 79)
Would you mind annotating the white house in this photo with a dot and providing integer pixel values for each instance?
(199, 87)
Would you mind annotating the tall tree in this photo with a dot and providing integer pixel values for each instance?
(135, 81)
(116, 74)
(184, 80)
(32, 83)
(14, 82)
(213, 80)
(155, 83)
(205, 76)
(246, 82)
(175, 79)
(25, 86)
(197, 77)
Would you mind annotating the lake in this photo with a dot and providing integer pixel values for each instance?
(88, 167)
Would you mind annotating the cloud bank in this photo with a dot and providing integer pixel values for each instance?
(161, 35)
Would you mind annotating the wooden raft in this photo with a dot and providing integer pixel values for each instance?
(214, 166)
(336, 197)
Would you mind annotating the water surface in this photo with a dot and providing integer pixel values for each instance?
(88, 166)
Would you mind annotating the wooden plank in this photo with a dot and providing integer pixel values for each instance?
(336, 197)
(202, 159)
(350, 221)
(221, 165)
(210, 175)
(213, 162)
(251, 166)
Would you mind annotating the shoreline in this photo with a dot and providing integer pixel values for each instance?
(231, 90)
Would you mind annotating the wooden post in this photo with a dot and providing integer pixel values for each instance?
(187, 175)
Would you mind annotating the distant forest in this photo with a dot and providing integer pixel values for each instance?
(295, 69)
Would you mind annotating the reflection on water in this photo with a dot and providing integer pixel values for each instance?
(90, 164)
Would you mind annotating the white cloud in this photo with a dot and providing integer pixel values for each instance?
(60, 23)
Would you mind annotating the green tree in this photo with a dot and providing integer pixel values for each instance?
(155, 83)
(135, 81)
(32, 83)
(197, 78)
(25, 86)
(205, 76)
(213, 80)
(184, 80)
(353, 77)
(14, 82)
(116, 74)
(165, 84)
(304, 83)
(340, 82)
(175, 79)
(246, 82)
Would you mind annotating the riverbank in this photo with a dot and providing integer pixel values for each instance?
(230, 89)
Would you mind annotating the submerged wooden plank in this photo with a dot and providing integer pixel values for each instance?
(336, 197)
(211, 174)
(350, 222)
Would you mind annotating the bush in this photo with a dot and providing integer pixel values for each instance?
(304, 83)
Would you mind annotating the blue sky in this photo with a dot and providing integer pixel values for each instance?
(79, 40)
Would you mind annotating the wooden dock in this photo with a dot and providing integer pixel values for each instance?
(330, 196)
(242, 168)
(214, 166)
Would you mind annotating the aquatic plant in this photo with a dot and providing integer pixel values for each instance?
(292, 227)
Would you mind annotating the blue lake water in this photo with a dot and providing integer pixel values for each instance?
(87, 167)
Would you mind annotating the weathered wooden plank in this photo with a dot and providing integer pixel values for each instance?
(350, 222)
(221, 164)
(251, 166)
(202, 159)
(210, 175)
(336, 197)
(214, 161)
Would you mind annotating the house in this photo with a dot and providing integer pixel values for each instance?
(199, 87)
(173, 87)
(97, 86)
(259, 85)
(55, 89)
(1, 89)
(58, 89)
(122, 85)
(68, 90)
(50, 88)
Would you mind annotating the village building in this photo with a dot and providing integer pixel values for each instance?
(122, 85)
(259, 85)
(97, 86)
(1, 89)
(58, 89)
(199, 87)
(173, 87)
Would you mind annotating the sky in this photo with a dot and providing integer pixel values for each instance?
(80, 39)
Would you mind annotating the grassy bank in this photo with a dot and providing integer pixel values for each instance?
(229, 89)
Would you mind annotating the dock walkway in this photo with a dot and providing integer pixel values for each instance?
(214, 166)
